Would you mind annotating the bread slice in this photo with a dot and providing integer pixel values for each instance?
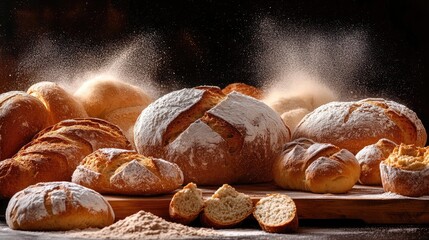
(276, 213)
(226, 208)
(186, 204)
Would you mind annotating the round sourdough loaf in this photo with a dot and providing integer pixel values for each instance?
(60, 104)
(120, 171)
(21, 117)
(56, 206)
(317, 167)
(406, 171)
(356, 124)
(213, 137)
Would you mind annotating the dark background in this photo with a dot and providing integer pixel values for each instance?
(213, 42)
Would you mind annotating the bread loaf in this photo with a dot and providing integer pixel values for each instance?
(406, 171)
(317, 167)
(21, 117)
(226, 208)
(214, 138)
(369, 159)
(56, 151)
(276, 213)
(244, 89)
(186, 204)
(356, 124)
(60, 104)
(58, 206)
(119, 171)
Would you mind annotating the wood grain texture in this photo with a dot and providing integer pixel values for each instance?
(369, 204)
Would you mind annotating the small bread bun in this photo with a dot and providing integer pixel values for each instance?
(226, 208)
(406, 171)
(317, 167)
(118, 171)
(276, 213)
(58, 206)
(356, 124)
(60, 104)
(21, 117)
(244, 89)
(369, 159)
(186, 204)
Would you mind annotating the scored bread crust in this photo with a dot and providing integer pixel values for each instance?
(288, 224)
(214, 138)
(317, 167)
(356, 124)
(21, 116)
(244, 89)
(59, 206)
(189, 195)
(55, 152)
(60, 104)
(119, 171)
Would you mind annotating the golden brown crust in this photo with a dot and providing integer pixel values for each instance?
(244, 89)
(22, 116)
(60, 104)
(55, 152)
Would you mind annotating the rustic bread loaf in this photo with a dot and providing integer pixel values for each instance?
(317, 167)
(119, 171)
(226, 208)
(56, 206)
(56, 151)
(406, 171)
(113, 100)
(214, 138)
(21, 117)
(60, 104)
(356, 124)
(186, 204)
(276, 213)
(369, 159)
(244, 89)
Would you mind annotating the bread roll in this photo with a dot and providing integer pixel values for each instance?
(186, 204)
(214, 138)
(56, 151)
(58, 206)
(356, 124)
(316, 167)
(113, 100)
(60, 104)
(369, 159)
(244, 89)
(276, 213)
(119, 171)
(226, 208)
(406, 171)
(21, 117)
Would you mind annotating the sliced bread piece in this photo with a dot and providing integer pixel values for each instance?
(186, 204)
(226, 208)
(276, 213)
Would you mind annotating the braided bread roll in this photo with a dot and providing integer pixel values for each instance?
(56, 151)
(316, 167)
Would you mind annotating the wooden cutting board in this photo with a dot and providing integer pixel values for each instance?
(369, 204)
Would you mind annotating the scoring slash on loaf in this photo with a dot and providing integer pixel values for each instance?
(317, 167)
(186, 204)
(60, 104)
(356, 124)
(226, 208)
(276, 213)
(369, 159)
(55, 152)
(119, 171)
(406, 171)
(21, 116)
(58, 206)
(213, 137)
